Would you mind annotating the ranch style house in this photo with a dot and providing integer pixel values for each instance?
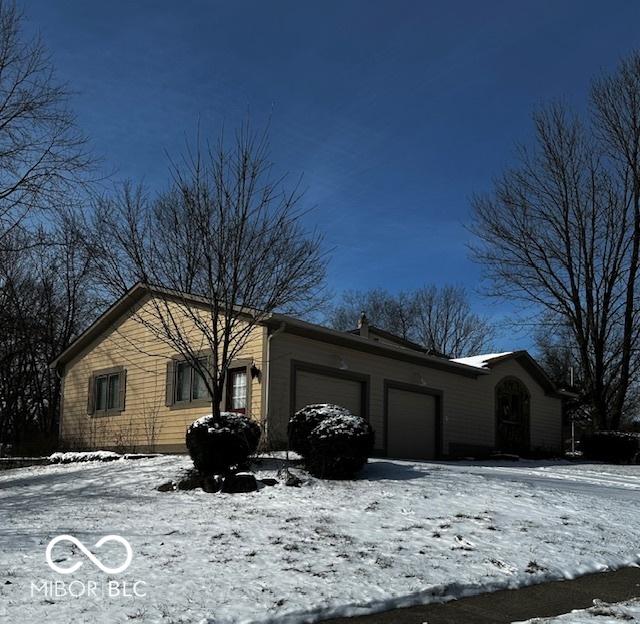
(124, 388)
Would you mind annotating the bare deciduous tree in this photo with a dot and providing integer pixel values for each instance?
(440, 319)
(225, 232)
(446, 323)
(42, 154)
(561, 230)
(45, 301)
(43, 268)
(556, 353)
(392, 312)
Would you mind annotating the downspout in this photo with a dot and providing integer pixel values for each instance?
(60, 375)
(268, 377)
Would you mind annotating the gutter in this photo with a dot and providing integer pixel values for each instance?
(353, 341)
(267, 377)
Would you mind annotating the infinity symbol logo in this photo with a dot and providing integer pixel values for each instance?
(89, 554)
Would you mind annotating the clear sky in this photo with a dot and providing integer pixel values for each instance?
(396, 112)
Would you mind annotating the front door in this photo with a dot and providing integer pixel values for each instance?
(512, 416)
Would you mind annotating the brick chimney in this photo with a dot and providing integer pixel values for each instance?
(363, 325)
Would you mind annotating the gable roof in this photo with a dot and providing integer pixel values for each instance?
(360, 343)
(293, 325)
(488, 361)
(405, 350)
(403, 342)
(117, 310)
(101, 324)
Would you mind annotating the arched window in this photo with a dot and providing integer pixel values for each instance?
(512, 416)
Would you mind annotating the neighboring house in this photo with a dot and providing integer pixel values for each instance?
(123, 388)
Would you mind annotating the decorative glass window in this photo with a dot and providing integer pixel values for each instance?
(512, 416)
(237, 390)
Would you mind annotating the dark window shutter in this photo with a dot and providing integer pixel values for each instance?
(171, 373)
(90, 395)
(123, 390)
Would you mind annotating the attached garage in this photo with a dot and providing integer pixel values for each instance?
(420, 404)
(319, 384)
(412, 422)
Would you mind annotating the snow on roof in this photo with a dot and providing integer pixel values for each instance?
(480, 361)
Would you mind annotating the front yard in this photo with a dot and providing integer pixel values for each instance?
(404, 533)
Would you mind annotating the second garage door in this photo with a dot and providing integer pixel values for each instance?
(411, 424)
(312, 387)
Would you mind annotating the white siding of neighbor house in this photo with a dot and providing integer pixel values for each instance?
(468, 404)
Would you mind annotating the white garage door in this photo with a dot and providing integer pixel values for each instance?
(318, 388)
(411, 424)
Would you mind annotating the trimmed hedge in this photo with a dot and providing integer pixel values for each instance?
(335, 444)
(218, 445)
(611, 446)
(304, 421)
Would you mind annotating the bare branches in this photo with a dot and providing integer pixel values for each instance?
(225, 231)
(44, 270)
(561, 230)
(45, 301)
(446, 324)
(42, 154)
(439, 319)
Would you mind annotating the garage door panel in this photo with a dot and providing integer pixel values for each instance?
(411, 424)
(312, 387)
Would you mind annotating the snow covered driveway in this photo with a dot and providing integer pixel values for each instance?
(403, 534)
(608, 481)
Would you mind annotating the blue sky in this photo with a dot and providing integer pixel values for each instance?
(396, 112)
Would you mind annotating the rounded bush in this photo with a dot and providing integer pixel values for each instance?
(217, 445)
(304, 421)
(339, 446)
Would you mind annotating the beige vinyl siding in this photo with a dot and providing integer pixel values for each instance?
(546, 411)
(133, 346)
(468, 404)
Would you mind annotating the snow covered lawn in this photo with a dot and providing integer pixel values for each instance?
(403, 534)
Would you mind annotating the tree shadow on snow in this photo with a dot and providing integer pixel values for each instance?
(383, 470)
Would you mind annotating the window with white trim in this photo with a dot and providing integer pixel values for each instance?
(237, 390)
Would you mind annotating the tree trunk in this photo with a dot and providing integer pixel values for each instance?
(627, 342)
(216, 400)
